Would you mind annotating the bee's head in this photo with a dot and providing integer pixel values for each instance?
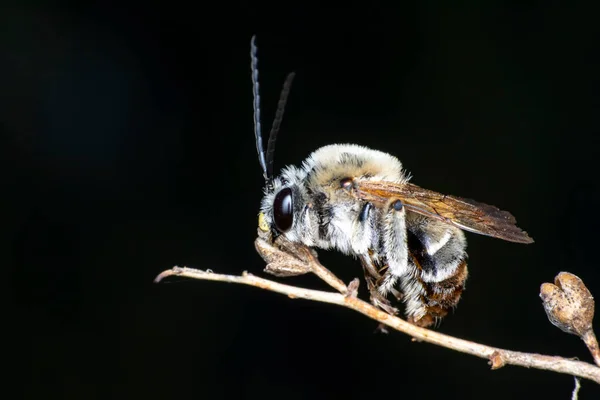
(277, 209)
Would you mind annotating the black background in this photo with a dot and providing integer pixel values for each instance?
(127, 147)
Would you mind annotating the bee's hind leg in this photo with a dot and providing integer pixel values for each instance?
(394, 246)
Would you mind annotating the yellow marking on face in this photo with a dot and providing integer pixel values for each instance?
(262, 223)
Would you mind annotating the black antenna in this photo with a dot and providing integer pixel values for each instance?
(266, 163)
(277, 121)
(256, 105)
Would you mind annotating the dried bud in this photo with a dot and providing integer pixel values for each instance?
(568, 304)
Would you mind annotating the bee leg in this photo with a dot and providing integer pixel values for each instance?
(381, 275)
(362, 230)
(286, 258)
(283, 258)
(362, 243)
(395, 247)
(372, 277)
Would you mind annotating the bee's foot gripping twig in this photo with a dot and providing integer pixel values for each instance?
(285, 259)
(381, 302)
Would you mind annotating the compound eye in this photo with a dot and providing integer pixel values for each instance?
(283, 210)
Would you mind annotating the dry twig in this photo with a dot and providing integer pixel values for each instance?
(347, 298)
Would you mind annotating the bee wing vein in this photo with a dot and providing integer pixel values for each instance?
(463, 213)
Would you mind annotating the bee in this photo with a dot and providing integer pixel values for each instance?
(361, 202)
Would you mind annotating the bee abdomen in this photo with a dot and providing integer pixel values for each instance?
(439, 297)
(440, 272)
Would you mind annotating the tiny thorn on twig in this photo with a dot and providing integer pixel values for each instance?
(353, 288)
(496, 360)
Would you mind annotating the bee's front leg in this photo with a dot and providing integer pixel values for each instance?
(283, 257)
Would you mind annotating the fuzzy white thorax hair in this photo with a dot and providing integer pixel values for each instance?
(341, 159)
(321, 169)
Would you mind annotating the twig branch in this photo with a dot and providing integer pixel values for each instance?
(589, 338)
(497, 357)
